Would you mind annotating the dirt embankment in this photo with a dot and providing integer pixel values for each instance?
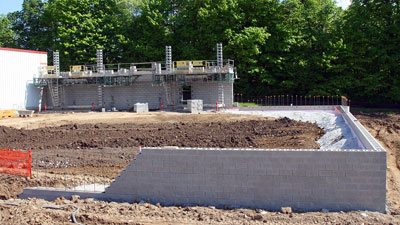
(280, 133)
(386, 129)
(102, 150)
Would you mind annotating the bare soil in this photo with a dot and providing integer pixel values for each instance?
(386, 129)
(261, 133)
(93, 157)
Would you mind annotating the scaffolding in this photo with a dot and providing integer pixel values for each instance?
(171, 75)
(125, 74)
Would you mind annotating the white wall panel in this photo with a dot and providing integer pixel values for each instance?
(17, 69)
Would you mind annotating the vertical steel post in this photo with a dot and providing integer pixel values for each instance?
(168, 58)
(220, 59)
(56, 63)
(99, 57)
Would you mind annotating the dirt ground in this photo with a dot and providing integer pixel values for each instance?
(93, 157)
(262, 133)
(66, 118)
(386, 129)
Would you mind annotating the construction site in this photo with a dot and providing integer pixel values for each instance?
(171, 143)
(119, 86)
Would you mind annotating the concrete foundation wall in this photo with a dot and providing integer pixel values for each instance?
(126, 97)
(286, 108)
(208, 92)
(365, 137)
(80, 96)
(303, 179)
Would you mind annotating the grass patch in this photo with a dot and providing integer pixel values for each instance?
(249, 104)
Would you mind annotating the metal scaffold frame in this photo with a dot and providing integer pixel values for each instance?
(125, 74)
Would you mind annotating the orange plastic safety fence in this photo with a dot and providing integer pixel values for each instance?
(15, 162)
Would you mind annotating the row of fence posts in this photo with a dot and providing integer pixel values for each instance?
(293, 100)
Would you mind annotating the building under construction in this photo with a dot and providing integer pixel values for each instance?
(160, 84)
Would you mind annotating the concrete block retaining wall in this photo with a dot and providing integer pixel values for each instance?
(365, 137)
(337, 180)
(286, 108)
(302, 179)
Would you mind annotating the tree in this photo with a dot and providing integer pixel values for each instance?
(7, 35)
(80, 27)
(308, 63)
(29, 25)
(371, 34)
(298, 47)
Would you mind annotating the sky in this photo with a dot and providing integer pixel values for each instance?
(7, 6)
(342, 3)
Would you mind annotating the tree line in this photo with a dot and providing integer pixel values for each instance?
(295, 47)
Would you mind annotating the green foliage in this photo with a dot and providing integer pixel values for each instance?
(7, 35)
(29, 25)
(82, 26)
(371, 34)
(303, 47)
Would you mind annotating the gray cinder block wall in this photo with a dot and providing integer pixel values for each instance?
(80, 95)
(124, 97)
(208, 92)
(302, 179)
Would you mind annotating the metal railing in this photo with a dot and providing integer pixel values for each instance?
(292, 100)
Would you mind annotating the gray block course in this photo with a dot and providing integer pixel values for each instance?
(307, 180)
(124, 98)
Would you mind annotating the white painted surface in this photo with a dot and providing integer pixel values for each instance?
(338, 134)
(90, 187)
(17, 69)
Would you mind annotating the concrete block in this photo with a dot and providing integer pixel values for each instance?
(141, 107)
(285, 172)
(195, 105)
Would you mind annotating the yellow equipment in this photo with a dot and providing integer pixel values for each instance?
(7, 113)
(197, 63)
(182, 63)
(77, 70)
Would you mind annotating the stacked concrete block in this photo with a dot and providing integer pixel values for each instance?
(208, 92)
(80, 96)
(141, 107)
(126, 97)
(195, 105)
(302, 179)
